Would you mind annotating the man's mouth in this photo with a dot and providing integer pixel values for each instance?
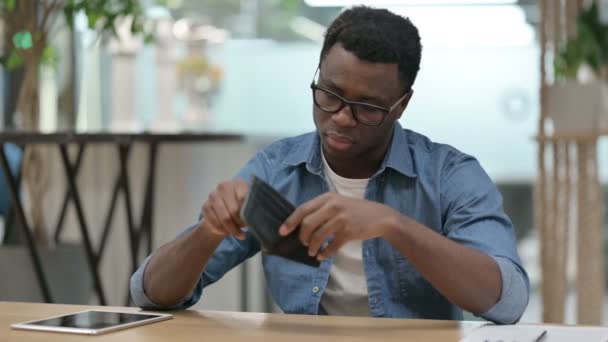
(338, 141)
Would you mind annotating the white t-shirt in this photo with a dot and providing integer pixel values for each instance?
(346, 291)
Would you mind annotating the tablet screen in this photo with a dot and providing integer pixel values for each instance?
(92, 321)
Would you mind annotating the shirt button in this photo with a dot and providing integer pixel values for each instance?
(315, 289)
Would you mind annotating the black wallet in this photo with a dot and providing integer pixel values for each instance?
(264, 210)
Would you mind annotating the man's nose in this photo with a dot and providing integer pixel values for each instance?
(345, 117)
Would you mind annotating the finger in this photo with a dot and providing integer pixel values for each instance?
(210, 221)
(321, 235)
(312, 223)
(235, 220)
(226, 222)
(298, 215)
(231, 202)
(332, 248)
(241, 189)
(223, 216)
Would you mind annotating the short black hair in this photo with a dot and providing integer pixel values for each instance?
(377, 36)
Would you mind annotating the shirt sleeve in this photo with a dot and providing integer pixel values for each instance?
(230, 253)
(514, 295)
(473, 216)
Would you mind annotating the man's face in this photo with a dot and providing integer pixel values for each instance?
(342, 137)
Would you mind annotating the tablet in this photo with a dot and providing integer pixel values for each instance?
(92, 322)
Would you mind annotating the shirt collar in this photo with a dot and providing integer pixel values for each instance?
(398, 156)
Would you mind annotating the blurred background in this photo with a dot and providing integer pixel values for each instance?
(244, 67)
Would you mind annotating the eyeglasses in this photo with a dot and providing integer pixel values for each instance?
(365, 113)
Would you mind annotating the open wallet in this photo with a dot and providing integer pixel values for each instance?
(264, 211)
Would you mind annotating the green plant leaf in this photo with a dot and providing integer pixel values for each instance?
(136, 27)
(149, 38)
(68, 12)
(49, 56)
(103, 15)
(590, 46)
(93, 18)
(22, 40)
(290, 5)
(13, 61)
(10, 5)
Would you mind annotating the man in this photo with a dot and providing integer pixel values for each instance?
(404, 227)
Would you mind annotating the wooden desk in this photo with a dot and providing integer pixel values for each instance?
(233, 326)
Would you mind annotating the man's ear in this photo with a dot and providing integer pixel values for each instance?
(404, 103)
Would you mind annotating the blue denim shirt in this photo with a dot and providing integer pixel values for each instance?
(434, 184)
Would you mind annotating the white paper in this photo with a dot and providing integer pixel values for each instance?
(532, 333)
(505, 333)
(576, 334)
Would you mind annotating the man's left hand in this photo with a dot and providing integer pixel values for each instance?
(343, 218)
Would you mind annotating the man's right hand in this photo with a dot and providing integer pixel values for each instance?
(221, 211)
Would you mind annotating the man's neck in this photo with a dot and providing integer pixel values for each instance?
(359, 168)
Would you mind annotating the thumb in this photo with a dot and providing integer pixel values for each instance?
(241, 190)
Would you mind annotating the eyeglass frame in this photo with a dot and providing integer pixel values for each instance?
(350, 103)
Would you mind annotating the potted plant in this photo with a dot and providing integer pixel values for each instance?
(577, 102)
(197, 76)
